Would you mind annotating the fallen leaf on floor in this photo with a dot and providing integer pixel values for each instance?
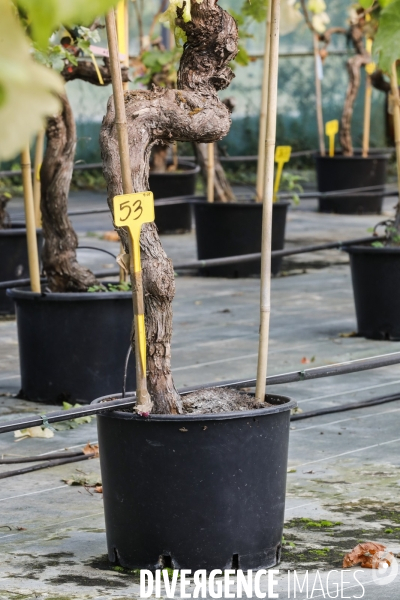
(226, 310)
(307, 361)
(12, 528)
(90, 480)
(72, 423)
(33, 432)
(90, 448)
(296, 411)
(291, 471)
(110, 236)
(369, 555)
(348, 334)
(198, 302)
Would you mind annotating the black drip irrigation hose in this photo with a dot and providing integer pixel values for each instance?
(345, 407)
(46, 465)
(353, 366)
(214, 262)
(23, 459)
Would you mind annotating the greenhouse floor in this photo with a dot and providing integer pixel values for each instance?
(343, 469)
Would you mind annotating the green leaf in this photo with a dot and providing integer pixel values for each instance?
(366, 3)
(387, 41)
(29, 90)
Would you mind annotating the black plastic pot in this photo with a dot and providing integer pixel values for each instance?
(199, 491)
(72, 346)
(174, 217)
(375, 274)
(346, 172)
(14, 260)
(235, 228)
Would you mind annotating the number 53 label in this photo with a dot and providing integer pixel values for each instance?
(132, 210)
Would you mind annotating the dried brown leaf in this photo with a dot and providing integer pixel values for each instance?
(90, 449)
(369, 555)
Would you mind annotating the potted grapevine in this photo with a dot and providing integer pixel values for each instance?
(186, 446)
(349, 168)
(65, 332)
(375, 268)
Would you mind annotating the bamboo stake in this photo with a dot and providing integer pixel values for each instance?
(122, 17)
(123, 35)
(260, 185)
(270, 141)
(36, 176)
(210, 172)
(127, 187)
(33, 257)
(369, 69)
(318, 98)
(396, 119)
(367, 115)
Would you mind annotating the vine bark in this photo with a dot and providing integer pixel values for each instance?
(192, 113)
(60, 264)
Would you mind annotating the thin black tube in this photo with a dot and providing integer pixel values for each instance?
(345, 407)
(25, 459)
(352, 366)
(45, 465)
(98, 249)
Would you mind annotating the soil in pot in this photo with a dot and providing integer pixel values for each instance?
(14, 260)
(347, 172)
(231, 229)
(375, 274)
(72, 345)
(175, 492)
(174, 217)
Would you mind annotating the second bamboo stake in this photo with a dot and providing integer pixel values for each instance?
(265, 295)
(33, 256)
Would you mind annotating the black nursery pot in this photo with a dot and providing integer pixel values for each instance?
(231, 229)
(14, 260)
(375, 274)
(199, 491)
(174, 217)
(72, 346)
(346, 172)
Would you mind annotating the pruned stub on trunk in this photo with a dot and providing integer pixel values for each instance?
(192, 113)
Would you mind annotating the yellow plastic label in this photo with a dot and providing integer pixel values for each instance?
(132, 210)
(370, 68)
(331, 129)
(282, 154)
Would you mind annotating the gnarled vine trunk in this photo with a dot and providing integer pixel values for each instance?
(192, 113)
(63, 271)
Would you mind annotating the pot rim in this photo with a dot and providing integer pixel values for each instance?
(370, 250)
(192, 170)
(356, 156)
(18, 230)
(226, 205)
(287, 405)
(24, 293)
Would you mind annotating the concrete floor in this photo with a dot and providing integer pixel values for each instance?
(342, 468)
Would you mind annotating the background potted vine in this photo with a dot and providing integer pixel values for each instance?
(65, 332)
(187, 446)
(375, 268)
(349, 168)
(227, 226)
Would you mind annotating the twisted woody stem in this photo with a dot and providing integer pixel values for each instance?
(192, 113)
